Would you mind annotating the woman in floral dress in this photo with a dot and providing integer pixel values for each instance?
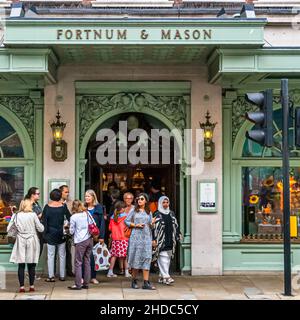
(140, 242)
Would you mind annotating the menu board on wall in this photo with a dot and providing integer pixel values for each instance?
(207, 196)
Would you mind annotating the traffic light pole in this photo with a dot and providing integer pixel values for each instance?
(286, 187)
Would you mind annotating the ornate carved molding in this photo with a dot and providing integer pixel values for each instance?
(23, 108)
(239, 107)
(93, 107)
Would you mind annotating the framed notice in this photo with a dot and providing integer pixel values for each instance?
(207, 195)
(56, 183)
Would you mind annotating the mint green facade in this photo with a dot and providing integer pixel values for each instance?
(240, 67)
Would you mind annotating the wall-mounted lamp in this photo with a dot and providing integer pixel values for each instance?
(209, 145)
(59, 146)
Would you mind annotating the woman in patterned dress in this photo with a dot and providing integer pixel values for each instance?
(140, 242)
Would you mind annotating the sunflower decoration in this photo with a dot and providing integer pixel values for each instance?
(254, 199)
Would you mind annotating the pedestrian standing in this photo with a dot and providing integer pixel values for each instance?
(97, 212)
(166, 235)
(140, 241)
(83, 245)
(53, 218)
(70, 250)
(26, 249)
(119, 241)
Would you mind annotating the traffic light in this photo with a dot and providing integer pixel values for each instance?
(263, 133)
(297, 127)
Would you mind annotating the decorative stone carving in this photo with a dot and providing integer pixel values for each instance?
(239, 108)
(93, 107)
(23, 108)
(81, 169)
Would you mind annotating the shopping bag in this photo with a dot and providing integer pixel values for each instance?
(101, 257)
(13, 231)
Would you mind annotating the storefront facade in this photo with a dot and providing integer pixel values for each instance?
(166, 72)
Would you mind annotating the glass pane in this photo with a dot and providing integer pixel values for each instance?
(263, 200)
(11, 194)
(10, 144)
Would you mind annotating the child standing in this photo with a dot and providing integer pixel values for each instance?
(119, 241)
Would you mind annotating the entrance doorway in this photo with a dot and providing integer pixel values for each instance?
(134, 177)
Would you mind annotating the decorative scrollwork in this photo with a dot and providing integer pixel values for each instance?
(23, 108)
(93, 107)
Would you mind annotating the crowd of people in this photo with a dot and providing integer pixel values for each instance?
(136, 236)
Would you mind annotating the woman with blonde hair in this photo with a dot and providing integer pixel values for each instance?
(79, 228)
(26, 249)
(97, 212)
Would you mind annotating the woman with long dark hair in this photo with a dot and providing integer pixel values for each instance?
(33, 194)
(140, 241)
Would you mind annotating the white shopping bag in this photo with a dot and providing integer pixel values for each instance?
(101, 256)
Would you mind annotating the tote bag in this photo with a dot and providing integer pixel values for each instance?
(13, 231)
(101, 257)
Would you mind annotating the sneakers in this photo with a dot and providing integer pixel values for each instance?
(134, 284)
(127, 274)
(94, 281)
(110, 274)
(31, 289)
(148, 286)
(166, 281)
(22, 290)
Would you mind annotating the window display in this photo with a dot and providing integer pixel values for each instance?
(11, 194)
(10, 144)
(263, 201)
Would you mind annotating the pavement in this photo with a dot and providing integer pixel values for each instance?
(226, 287)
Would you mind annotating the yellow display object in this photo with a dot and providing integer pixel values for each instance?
(294, 194)
(293, 226)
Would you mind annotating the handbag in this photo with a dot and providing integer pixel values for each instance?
(92, 227)
(127, 230)
(13, 231)
(101, 256)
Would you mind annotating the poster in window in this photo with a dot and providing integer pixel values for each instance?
(207, 196)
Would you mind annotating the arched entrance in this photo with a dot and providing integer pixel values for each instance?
(134, 177)
(160, 105)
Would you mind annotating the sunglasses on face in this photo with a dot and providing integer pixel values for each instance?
(141, 198)
(37, 193)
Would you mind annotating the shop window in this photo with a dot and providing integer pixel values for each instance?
(10, 144)
(263, 202)
(262, 197)
(11, 194)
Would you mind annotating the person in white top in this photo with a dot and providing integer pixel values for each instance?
(83, 244)
(27, 246)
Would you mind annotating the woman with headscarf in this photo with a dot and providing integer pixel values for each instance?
(166, 234)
